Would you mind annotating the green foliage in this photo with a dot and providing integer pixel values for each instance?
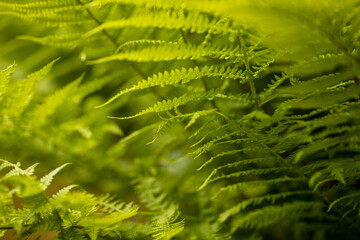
(227, 118)
(76, 211)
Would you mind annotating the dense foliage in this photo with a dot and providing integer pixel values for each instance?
(211, 119)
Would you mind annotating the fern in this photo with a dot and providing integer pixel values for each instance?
(59, 213)
(270, 215)
(243, 116)
(182, 76)
(151, 50)
(194, 22)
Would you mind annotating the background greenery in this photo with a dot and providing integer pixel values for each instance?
(229, 119)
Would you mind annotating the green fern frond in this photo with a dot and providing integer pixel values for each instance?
(107, 203)
(166, 227)
(167, 105)
(272, 198)
(319, 64)
(51, 20)
(212, 6)
(5, 79)
(64, 191)
(193, 22)
(269, 215)
(22, 92)
(242, 185)
(328, 98)
(151, 50)
(47, 12)
(16, 170)
(319, 83)
(260, 171)
(220, 140)
(166, 123)
(182, 76)
(47, 179)
(247, 162)
(230, 153)
(347, 197)
(40, 114)
(68, 40)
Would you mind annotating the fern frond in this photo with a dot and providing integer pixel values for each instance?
(16, 170)
(167, 105)
(258, 171)
(317, 84)
(257, 201)
(48, 13)
(328, 98)
(182, 76)
(47, 179)
(64, 191)
(155, 51)
(319, 64)
(5, 79)
(246, 162)
(347, 197)
(242, 185)
(68, 40)
(324, 144)
(220, 140)
(230, 153)
(272, 87)
(40, 114)
(107, 203)
(166, 123)
(269, 215)
(165, 227)
(23, 92)
(193, 22)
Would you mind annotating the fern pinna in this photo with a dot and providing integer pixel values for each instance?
(257, 106)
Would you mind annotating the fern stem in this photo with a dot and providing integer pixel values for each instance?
(248, 70)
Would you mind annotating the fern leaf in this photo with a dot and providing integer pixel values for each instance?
(256, 201)
(266, 216)
(69, 40)
(151, 50)
(212, 6)
(47, 179)
(349, 196)
(319, 83)
(167, 105)
(165, 227)
(22, 94)
(194, 22)
(5, 78)
(230, 153)
(182, 76)
(16, 170)
(259, 171)
(47, 13)
(64, 191)
(107, 203)
(242, 185)
(220, 140)
(43, 111)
